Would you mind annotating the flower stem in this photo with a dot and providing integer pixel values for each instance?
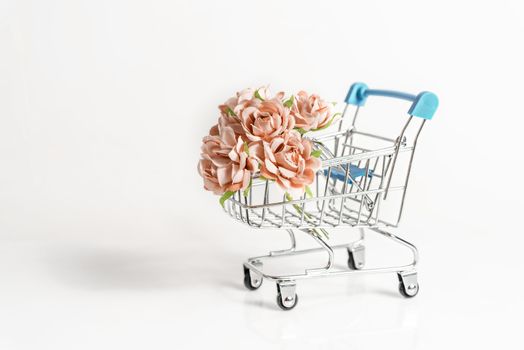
(314, 231)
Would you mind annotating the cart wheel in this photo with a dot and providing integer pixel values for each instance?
(351, 261)
(408, 292)
(287, 298)
(250, 282)
(288, 304)
(356, 258)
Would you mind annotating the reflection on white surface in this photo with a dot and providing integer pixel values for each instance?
(165, 294)
(349, 320)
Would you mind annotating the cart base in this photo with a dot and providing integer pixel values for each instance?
(287, 297)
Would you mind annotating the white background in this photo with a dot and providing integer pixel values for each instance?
(108, 241)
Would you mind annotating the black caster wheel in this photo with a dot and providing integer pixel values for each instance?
(287, 304)
(408, 292)
(351, 261)
(287, 298)
(356, 258)
(249, 282)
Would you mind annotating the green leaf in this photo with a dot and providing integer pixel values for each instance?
(316, 153)
(309, 192)
(326, 234)
(230, 111)
(296, 206)
(246, 191)
(225, 197)
(257, 95)
(328, 124)
(289, 102)
(301, 131)
(246, 148)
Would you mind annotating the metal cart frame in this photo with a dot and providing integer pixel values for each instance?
(350, 190)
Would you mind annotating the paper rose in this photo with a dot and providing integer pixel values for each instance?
(311, 112)
(266, 120)
(288, 161)
(233, 107)
(226, 164)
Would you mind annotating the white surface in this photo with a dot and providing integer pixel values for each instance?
(108, 241)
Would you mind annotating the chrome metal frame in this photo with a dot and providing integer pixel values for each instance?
(354, 201)
(255, 263)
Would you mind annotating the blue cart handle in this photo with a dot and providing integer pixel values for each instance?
(424, 104)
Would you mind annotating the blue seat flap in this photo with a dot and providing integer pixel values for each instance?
(354, 171)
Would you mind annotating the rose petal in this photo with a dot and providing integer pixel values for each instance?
(237, 174)
(246, 180)
(223, 175)
(286, 173)
(283, 182)
(265, 173)
(271, 167)
(269, 153)
(275, 143)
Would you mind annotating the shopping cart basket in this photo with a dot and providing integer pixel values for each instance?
(361, 173)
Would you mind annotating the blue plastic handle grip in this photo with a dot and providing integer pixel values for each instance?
(424, 104)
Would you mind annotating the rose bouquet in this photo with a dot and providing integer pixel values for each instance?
(262, 134)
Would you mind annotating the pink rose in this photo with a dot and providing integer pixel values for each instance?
(310, 111)
(288, 161)
(231, 110)
(235, 104)
(226, 164)
(266, 119)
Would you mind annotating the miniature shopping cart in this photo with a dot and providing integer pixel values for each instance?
(362, 184)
